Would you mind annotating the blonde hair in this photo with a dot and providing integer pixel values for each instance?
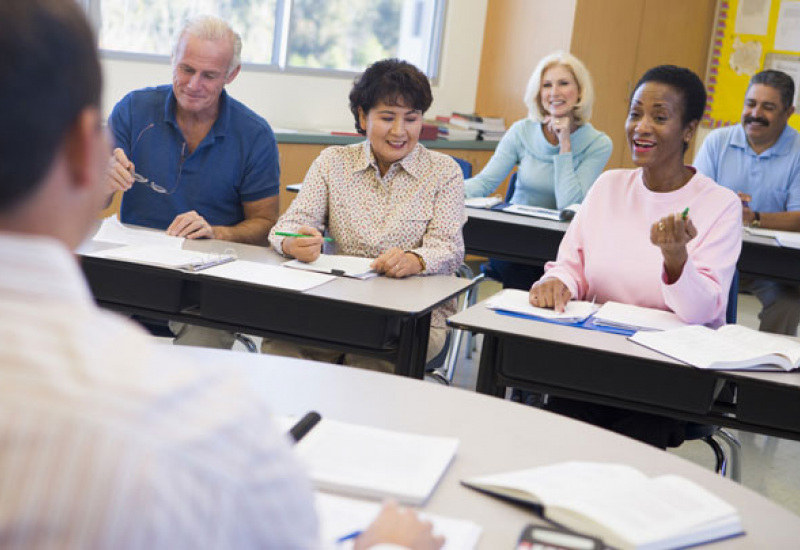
(532, 98)
(209, 27)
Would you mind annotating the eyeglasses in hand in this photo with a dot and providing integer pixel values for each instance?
(138, 178)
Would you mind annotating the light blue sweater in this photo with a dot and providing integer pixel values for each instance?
(545, 177)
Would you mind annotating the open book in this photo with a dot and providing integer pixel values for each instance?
(517, 301)
(619, 504)
(336, 264)
(637, 318)
(374, 463)
(728, 347)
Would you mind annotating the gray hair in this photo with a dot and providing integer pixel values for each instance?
(209, 27)
(779, 80)
(532, 97)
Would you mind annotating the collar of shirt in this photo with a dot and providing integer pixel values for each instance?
(411, 163)
(779, 148)
(220, 127)
(43, 268)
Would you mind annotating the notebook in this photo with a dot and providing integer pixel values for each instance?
(335, 264)
(517, 301)
(155, 255)
(363, 461)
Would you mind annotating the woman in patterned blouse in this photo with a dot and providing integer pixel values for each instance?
(387, 198)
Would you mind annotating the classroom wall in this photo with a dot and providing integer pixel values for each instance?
(313, 102)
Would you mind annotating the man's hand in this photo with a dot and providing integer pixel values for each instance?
(190, 225)
(550, 293)
(401, 526)
(305, 249)
(396, 263)
(119, 173)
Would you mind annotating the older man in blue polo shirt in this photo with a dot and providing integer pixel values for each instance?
(192, 160)
(760, 160)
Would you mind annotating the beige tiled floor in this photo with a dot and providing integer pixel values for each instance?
(770, 466)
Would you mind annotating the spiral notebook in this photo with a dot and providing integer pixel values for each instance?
(185, 260)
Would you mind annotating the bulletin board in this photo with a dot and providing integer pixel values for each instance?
(750, 35)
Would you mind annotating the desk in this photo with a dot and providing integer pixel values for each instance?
(533, 241)
(495, 436)
(381, 317)
(607, 368)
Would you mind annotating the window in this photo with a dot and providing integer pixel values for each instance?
(309, 35)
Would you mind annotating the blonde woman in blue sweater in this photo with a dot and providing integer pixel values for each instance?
(558, 152)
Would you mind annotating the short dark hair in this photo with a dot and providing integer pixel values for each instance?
(778, 80)
(683, 80)
(51, 73)
(392, 81)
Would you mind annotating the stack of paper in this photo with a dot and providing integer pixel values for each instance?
(517, 301)
(482, 202)
(343, 266)
(112, 231)
(340, 516)
(188, 260)
(268, 275)
(374, 463)
(625, 316)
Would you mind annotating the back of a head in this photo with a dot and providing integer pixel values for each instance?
(51, 73)
(683, 80)
(779, 80)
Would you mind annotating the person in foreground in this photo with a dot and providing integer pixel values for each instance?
(109, 440)
(760, 160)
(559, 153)
(387, 198)
(634, 241)
(210, 163)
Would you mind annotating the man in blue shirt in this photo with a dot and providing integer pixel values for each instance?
(193, 161)
(760, 160)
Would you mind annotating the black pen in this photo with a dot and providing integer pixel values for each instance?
(299, 430)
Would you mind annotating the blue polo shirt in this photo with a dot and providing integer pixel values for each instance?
(237, 162)
(771, 178)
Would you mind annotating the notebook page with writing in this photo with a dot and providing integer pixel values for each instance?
(340, 516)
(375, 463)
(268, 275)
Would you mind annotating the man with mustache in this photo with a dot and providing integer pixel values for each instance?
(760, 160)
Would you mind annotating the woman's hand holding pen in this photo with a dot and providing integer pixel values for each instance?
(671, 234)
(550, 293)
(397, 263)
(305, 249)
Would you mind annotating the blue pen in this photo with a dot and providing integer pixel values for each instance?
(349, 536)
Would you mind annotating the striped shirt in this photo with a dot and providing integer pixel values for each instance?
(108, 440)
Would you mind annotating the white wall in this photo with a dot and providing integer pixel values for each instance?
(309, 102)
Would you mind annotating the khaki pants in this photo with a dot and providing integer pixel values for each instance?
(203, 337)
(287, 349)
(780, 302)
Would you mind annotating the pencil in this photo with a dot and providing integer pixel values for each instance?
(685, 213)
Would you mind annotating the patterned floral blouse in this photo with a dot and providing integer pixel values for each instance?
(417, 206)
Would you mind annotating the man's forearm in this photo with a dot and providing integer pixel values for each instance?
(252, 231)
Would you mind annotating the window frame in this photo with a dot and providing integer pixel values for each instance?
(278, 63)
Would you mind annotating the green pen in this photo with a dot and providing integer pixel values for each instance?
(685, 213)
(300, 236)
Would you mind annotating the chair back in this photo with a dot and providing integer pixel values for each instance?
(466, 167)
(733, 299)
(512, 186)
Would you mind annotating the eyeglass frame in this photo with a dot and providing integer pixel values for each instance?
(138, 178)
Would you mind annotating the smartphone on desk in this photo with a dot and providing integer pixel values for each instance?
(537, 537)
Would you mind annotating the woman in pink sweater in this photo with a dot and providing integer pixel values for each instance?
(661, 236)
